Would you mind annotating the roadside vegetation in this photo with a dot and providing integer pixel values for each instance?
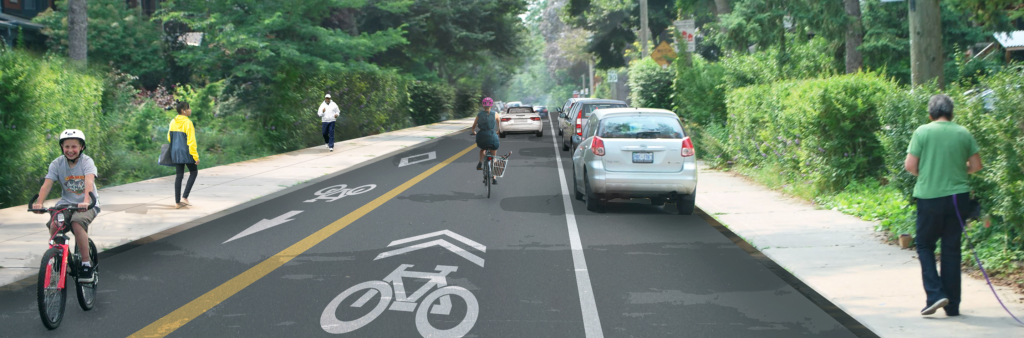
(253, 80)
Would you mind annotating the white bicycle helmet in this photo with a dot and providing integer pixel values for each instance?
(72, 134)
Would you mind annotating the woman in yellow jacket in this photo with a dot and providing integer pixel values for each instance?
(184, 152)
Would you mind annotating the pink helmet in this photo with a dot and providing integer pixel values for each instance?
(488, 102)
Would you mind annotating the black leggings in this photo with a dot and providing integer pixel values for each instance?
(179, 174)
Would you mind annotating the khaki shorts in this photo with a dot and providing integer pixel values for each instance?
(83, 218)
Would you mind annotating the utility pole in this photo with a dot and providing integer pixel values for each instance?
(78, 24)
(926, 56)
(644, 31)
(590, 66)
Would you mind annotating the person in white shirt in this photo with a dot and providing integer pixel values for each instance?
(328, 113)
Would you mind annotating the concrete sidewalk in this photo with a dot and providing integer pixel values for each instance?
(141, 209)
(847, 262)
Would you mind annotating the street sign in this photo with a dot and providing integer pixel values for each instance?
(663, 53)
(687, 30)
(613, 77)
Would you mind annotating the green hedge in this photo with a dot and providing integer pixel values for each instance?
(430, 102)
(650, 85)
(815, 132)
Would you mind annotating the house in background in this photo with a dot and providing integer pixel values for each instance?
(17, 15)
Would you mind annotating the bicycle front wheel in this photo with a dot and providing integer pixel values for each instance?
(329, 318)
(50, 295)
(87, 291)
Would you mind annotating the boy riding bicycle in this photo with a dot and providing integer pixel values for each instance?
(76, 174)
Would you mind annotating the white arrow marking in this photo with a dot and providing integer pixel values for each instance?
(448, 233)
(265, 224)
(405, 160)
(438, 242)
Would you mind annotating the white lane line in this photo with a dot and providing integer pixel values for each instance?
(591, 321)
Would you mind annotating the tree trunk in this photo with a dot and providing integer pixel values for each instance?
(722, 7)
(926, 58)
(854, 36)
(77, 28)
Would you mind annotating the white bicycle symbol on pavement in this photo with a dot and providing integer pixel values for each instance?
(336, 192)
(437, 302)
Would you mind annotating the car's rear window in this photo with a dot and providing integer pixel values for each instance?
(520, 110)
(590, 108)
(649, 127)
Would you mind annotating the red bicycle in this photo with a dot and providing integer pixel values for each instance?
(51, 289)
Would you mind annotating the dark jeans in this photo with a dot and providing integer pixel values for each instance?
(937, 219)
(179, 174)
(327, 128)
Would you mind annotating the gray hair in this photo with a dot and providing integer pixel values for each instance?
(940, 105)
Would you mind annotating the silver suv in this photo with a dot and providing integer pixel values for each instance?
(635, 153)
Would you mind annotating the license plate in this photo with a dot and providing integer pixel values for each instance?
(521, 121)
(643, 157)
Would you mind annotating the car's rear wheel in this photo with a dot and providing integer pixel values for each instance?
(540, 133)
(658, 201)
(686, 203)
(565, 147)
(593, 204)
(502, 135)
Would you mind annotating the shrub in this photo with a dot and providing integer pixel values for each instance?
(467, 102)
(650, 85)
(817, 132)
(430, 102)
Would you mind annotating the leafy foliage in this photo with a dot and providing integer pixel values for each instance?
(117, 36)
(430, 102)
(650, 84)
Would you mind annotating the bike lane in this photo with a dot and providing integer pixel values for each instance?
(144, 283)
(508, 254)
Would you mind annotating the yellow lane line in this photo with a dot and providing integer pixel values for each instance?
(193, 309)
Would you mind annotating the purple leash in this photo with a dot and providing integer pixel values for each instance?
(975, 253)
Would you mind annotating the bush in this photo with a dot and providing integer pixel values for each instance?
(430, 102)
(650, 85)
(467, 102)
(816, 132)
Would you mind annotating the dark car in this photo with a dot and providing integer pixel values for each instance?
(574, 119)
(541, 110)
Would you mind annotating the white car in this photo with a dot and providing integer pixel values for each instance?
(635, 153)
(520, 120)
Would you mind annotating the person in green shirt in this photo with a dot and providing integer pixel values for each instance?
(941, 154)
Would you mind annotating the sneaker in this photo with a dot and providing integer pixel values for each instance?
(332, 149)
(479, 166)
(180, 205)
(494, 181)
(85, 274)
(934, 307)
(185, 200)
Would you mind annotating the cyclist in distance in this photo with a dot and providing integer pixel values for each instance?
(76, 174)
(487, 138)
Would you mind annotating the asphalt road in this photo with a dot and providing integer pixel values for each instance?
(507, 268)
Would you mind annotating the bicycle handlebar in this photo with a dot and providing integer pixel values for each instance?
(92, 203)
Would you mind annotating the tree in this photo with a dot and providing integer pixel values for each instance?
(926, 54)
(854, 36)
(993, 14)
(612, 24)
(78, 26)
(447, 39)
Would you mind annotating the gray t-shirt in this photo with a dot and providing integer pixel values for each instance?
(72, 180)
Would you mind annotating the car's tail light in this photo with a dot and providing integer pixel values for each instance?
(597, 146)
(687, 147)
(506, 119)
(535, 118)
(579, 123)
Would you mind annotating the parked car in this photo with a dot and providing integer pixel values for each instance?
(520, 120)
(575, 118)
(565, 108)
(635, 153)
(541, 110)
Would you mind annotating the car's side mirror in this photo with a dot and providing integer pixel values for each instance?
(561, 115)
(577, 139)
